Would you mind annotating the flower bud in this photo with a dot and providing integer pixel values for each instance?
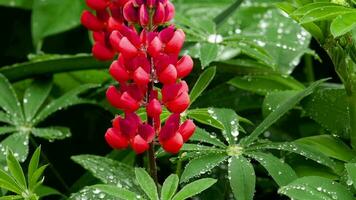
(91, 22)
(144, 18)
(99, 36)
(97, 4)
(154, 108)
(139, 145)
(129, 104)
(175, 44)
(115, 139)
(173, 144)
(147, 132)
(102, 52)
(170, 128)
(159, 15)
(172, 91)
(169, 11)
(130, 12)
(184, 66)
(180, 104)
(187, 129)
(113, 96)
(118, 71)
(127, 49)
(141, 77)
(155, 47)
(168, 75)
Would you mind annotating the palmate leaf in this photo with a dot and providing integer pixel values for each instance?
(8, 100)
(7, 129)
(203, 115)
(325, 13)
(146, 183)
(279, 112)
(69, 99)
(169, 187)
(15, 169)
(201, 135)
(316, 188)
(281, 172)
(194, 188)
(208, 53)
(51, 133)
(202, 165)
(242, 178)
(351, 172)
(17, 143)
(5, 118)
(34, 97)
(33, 165)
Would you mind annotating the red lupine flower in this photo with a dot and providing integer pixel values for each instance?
(145, 57)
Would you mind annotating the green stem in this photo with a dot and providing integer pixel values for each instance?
(308, 70)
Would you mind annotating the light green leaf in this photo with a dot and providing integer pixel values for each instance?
(109, 171)
(203, 115)
(51, 17)
(261, 84)
(303, 10)
(230, 120)
(9, 183)
(202, 83)
(169, 187)
(35, 180)
(201, 135)
(115, 191)
(5, 118)
(324, 13)
(52, 133)
(242, 178)
(351, 172)
(11, 197)
(17, 143)
(343, 24)
(33, 165)
(7, 129)
(146, 183)
(279, 112)
(202, 165)
(34, 97)
(44, 191)
(8, 100)
(281, 172)
(208, 53)
(69, 99)
(273, 100)
(15, 169)
(330, 146)
(224, 15)
(201, 148)
(194, 188)
(315, 188)
(90, 193)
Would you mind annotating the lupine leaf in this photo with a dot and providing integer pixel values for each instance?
(203, 115)
(8, 99)
(316, 188)
(24, 4)
(169, 187)
(194, 188)
(7, 129)
(242, 178)
(343, 24)
(33, 165)
(202, 165)
(202, 83)
(115, 191)
(15, 169)
(17, 143)
(147, 184)
(351, 171)
(52, 133)
(230, 120)
(208, 53)
(201, 135)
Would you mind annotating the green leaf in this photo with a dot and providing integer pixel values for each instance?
(202, 83)
(15, 169)
(300, 149)
(330, 146)
(51, 17)
(343, 24)
(44, 191)
(37, 174)
(201, 135)
(281, 172)
(273, 100)
(351, 172)
(194, 188)
(51, 64)
(34, 97)
(261, 84)
(24, 4)
(242, 178)
(315, 188)
(5, 118)
(11, 197)
(69, 99)
(303, 10)
(33, 165)
(230, 120)
(324, 13)
(224, 15)
(8, 100)
(53, 133)
(169, 187)
(115, 191)
(7, 129)
(146, 183)
(90, 193)
(208, 53)
(328, 107)
(279, 112)
(9, 183)
(109, 171)
(203, 116)
(18, 144)
(202, 165)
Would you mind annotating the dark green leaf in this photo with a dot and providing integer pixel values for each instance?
(169, 187)
(202, 83)
(15, 169)
(201, 135)
(194, 188)
(351, 171)
(115, 192)
(24, 4)
(8, 100)
(146, 183)
(242, 178)
(203, 116)
(208, 53)
(53, 133)
(44, 191)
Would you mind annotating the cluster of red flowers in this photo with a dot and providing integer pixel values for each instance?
(146, 56)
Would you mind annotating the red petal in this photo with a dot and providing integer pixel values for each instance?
(151, 3)
(118, 71)
(170, 128)
(113, 96)
(176, 43)
(166, 34)
(130, 13)
(115, 139)
(99, 36)
(127, 49)
(159, 15)
(102, 52)
(168, 75)
(141, 77)
(147, 132)
(174, 144)
(139, 145)
(115, 38)
(144, 18)
(155, 47)
(187, 129)
(180, 104)
(129, 125)
(113, 24)
(170, 11)
(154, 108)
(172, 91)
(184, 66)
(97, 4)
(91, 22)
(129, 104)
